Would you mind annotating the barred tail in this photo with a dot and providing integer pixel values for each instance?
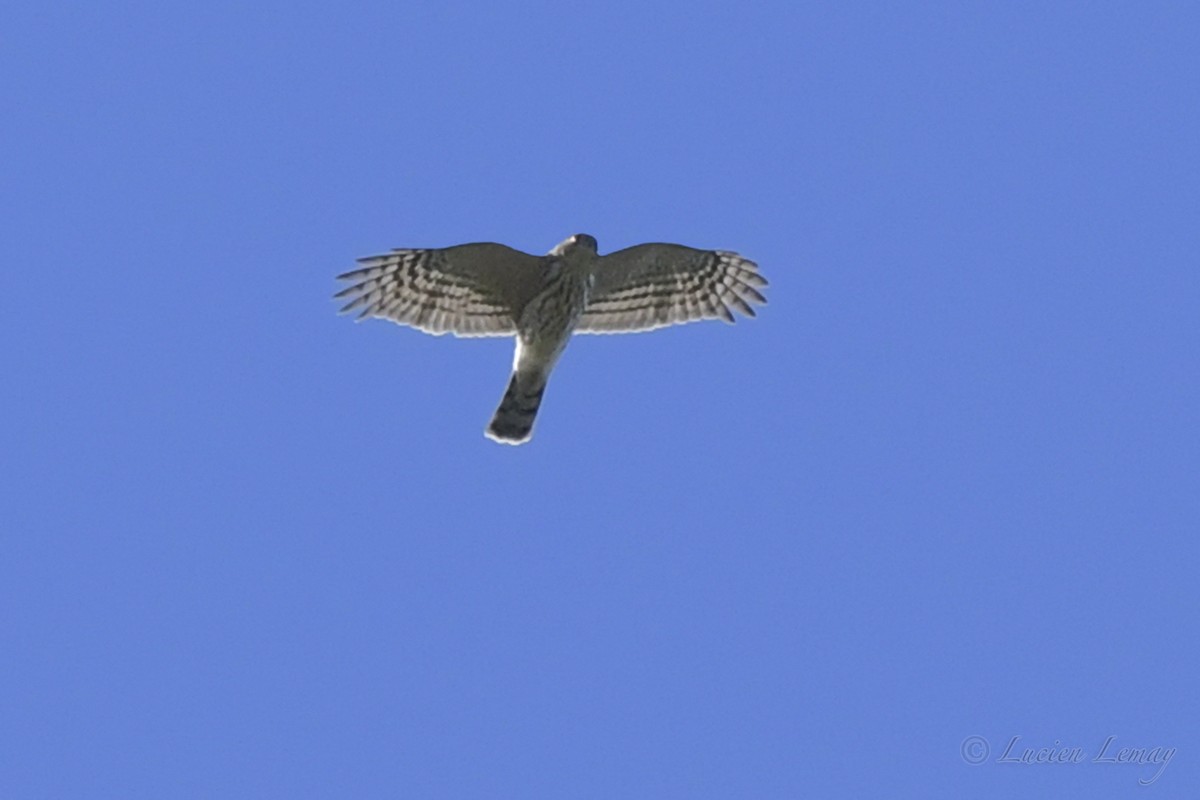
(513, 423)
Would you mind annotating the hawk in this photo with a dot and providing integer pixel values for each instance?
(489, 289)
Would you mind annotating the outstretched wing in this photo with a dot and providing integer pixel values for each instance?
(467, 290)
(654, 285)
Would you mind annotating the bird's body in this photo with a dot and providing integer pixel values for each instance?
(493, 290)
(544, 327)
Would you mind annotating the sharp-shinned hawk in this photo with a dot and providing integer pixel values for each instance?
(492, 290)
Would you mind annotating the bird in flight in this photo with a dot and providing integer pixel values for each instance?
(488, 289)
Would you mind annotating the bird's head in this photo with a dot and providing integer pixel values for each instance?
(582, 242)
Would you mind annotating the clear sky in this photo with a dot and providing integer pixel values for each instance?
(946, 485)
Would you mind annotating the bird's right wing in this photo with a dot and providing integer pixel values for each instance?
(467, 290)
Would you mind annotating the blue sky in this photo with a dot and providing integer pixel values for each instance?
(945, 486)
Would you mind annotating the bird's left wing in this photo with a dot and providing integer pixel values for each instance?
(467, 290)
(654, 285)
